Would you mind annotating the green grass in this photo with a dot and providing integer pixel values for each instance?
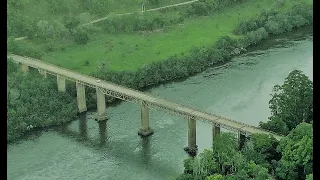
(131, 52)
(45, 8)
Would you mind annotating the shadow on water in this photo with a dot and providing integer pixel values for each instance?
(113, 148)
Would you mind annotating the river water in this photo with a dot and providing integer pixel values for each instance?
(85, 149)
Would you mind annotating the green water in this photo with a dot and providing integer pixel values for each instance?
(87, 150)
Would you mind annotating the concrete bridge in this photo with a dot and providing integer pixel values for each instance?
(145, 100)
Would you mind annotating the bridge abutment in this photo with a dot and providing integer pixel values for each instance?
(24, 68)
(145, 129)
(192, 138)
(61, 82)
(101, 106)
(81, 97)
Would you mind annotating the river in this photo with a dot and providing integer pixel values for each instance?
(85, 149)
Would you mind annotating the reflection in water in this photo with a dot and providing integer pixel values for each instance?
(103, 132)
(146, 152)
(83, 126)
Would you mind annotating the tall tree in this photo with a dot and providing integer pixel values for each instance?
(297, 153)
(291, 102)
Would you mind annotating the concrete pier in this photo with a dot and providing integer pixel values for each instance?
(101, 106)
(145, 129)
(24, 68)
(242, 139)
(61, 82)
(192, 138)
(43, 73)
(215, 131)
(103, 132)
(81, 97)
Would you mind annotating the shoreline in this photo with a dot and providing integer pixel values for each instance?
(116, 102)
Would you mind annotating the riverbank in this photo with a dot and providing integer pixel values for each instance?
(130, 51)
(265, 46)
(238, 90)
(200, 58)
(27, 109)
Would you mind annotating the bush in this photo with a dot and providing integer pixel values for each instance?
(81, 36)
(275, 22)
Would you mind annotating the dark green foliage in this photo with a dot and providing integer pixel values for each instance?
(251, 171)
(276, 22)
(297, 153)
(275, 125)
(254, 37)
(18, 24)
(71, 22)
(80, 36)
(154, 2)
(27, 108)
(291, 103)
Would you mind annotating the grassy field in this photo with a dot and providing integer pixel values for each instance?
(129, 52)
(48, 9)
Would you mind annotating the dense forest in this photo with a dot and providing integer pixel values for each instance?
(34, 102)
(263, 157)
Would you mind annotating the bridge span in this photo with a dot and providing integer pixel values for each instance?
(145, 100)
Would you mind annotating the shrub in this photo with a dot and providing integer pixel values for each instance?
(275, 22)
(81, 36)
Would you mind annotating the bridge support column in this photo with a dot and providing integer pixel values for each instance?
(242, 139)
(61, 82)
(101, 106)
(145, 129)
(43, 72)
(215, 131)
(24, 68)
(192, 138)
(81, 97)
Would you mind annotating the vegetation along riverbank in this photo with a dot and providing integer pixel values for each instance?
(263, 157)
(212, 27)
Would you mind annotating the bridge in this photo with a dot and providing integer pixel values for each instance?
(145, 100)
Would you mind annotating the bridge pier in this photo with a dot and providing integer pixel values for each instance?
(61, 82)
(24, 67)
(102, 132)
(81, 97)
(192, 138)
(145, 129)
(43, 72)
(242, 139)
(215, 131)
(101, 106)
(83, 126)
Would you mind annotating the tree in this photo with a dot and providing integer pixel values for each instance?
(297, 153)
(251, 171)
(309, 177)
(291, 102)
(225, 150)
(215, 177)
(267, 146)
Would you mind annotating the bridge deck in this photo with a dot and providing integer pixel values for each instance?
(93, 82)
